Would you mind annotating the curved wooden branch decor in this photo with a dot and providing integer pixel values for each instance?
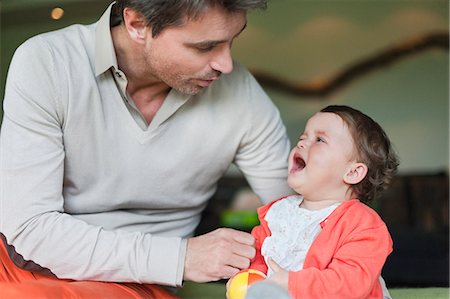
(322, 88)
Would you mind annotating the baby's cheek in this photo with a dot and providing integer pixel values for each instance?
(290, 159)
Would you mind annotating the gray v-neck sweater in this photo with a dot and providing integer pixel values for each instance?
(88, 193)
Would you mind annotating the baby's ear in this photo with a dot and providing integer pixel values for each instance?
(356, 173)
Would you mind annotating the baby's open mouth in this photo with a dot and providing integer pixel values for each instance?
(299, 163)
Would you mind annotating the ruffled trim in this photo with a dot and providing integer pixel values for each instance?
(293, 229)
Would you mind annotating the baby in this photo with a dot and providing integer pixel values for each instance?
(324, 242)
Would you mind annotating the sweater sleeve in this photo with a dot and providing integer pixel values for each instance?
(354, 264)
(262, 156)
(33, 217)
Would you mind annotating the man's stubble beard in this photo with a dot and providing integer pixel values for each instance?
(162, 70)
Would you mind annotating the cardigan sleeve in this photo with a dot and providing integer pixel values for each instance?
(349, 270)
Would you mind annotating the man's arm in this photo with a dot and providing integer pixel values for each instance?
(33, 217)
(263, 155)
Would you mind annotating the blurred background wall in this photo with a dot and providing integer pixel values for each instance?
(308, 42)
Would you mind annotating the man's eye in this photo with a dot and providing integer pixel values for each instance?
(205, 49)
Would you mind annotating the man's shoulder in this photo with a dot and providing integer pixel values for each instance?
(239, 85)
(65, 38)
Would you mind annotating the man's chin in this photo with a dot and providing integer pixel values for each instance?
(191, 90)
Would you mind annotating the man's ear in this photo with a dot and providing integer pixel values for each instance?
(135, 25)
(356, 173)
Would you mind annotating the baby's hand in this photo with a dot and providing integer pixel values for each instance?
(279, 276)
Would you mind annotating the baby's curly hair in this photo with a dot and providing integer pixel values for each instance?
(373, 148)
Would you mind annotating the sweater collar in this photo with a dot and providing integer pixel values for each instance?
(105, 55)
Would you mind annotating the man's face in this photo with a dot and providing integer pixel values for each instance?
(190, 57)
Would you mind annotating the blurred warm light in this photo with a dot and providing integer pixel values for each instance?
(57, 13)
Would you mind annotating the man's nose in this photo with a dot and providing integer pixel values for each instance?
(222, 62)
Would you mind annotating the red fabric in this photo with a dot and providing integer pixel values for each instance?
(16, 283)
(346, 258)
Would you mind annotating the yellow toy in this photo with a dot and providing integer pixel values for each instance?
(239, 283)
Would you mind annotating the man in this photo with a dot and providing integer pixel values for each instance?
(113, 139)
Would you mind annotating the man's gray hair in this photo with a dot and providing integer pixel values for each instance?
(161, 14)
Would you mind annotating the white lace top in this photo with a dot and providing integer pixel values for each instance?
(293, 231)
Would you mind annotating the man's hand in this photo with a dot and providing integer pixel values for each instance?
(218, 255)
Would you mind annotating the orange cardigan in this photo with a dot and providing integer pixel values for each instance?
(344, 261)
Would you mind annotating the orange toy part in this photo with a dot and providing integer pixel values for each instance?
(240, 282)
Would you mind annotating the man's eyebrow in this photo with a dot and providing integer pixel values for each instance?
(205, 43)
(212, 43)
